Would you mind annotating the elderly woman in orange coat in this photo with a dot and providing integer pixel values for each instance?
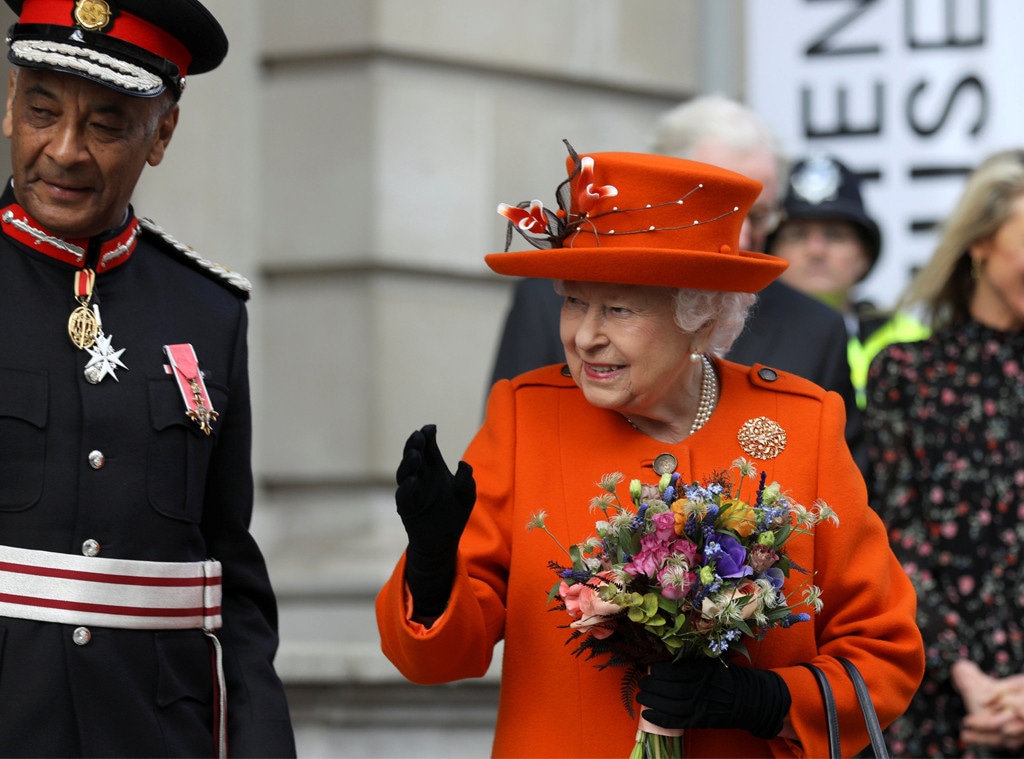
(646, 251)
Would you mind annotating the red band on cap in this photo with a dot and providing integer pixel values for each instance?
(125, 27)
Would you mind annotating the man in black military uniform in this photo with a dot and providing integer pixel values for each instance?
(136, 614)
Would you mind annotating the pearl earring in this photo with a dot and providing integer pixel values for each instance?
(694, 358)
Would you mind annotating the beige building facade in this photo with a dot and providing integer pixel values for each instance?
(348, 158)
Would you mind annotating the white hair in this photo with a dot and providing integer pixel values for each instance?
(716, 119)
(726, 311)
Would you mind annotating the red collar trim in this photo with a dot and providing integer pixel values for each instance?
(18, 225)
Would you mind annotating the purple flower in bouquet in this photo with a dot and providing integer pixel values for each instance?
(730, 558)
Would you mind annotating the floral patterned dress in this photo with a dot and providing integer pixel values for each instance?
(945, 425)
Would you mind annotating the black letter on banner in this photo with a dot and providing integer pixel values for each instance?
(821, 46)
(924, 225)
(843, 127)
(951, 40)
(968, 82)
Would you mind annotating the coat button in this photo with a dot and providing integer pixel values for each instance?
(97, 459)
(768, 375)
(90, 548)
(81, 636)
(665, 463)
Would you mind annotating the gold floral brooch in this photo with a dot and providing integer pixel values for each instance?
(762, 438)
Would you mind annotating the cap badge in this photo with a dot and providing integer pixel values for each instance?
(92, 15)
(817, 180)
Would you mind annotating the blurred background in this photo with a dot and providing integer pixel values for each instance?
(348, 158)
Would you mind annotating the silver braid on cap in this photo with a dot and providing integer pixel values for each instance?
(90, 62)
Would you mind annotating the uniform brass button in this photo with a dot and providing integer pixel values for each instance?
(90, 548)
(768, 375)
(665, 464)
(97, 459)
(81, 636)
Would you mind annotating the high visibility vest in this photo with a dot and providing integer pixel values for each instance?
(899, 329)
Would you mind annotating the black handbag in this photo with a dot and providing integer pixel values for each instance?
(866, 706)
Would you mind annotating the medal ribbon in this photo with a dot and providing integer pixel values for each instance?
(184, 366)
(84, 281)
(83, 324)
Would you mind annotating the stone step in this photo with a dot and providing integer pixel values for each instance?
(333, 639)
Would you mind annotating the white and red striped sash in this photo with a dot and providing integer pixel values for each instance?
(86, 590)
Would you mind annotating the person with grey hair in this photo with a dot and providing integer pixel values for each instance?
(943, 425)
(656, 282)
(787, 330)
(716, 130)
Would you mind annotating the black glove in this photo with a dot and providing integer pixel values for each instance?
(707, 693)
(434, 505)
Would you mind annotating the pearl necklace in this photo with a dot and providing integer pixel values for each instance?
(708, 396)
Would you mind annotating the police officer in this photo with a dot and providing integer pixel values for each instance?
(136, 614)
(832, 244)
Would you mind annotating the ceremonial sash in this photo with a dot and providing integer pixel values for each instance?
(86, 590)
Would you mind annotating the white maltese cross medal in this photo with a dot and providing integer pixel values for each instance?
(103, 359)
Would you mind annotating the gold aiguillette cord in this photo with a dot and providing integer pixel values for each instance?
(83, 325)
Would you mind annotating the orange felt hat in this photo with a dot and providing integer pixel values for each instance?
(640, 219)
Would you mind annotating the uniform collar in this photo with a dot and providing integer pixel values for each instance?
(113, 248)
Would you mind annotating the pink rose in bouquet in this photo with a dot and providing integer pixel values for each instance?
(589, 611)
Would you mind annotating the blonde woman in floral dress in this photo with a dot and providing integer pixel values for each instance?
(944, 418)
(656, 289)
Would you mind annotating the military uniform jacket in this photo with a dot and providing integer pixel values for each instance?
(544, 447)
(120, 464)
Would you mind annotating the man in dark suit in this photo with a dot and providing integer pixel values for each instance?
(136, 614)
(787, 330)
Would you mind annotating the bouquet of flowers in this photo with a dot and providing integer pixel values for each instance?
(686, 570)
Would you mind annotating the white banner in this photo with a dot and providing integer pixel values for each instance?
(910, 94)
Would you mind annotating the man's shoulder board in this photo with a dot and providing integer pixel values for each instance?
(181, 252)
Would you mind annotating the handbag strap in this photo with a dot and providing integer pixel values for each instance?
(831, 715)
(867, 707)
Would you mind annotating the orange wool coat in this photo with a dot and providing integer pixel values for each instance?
(543, 447)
